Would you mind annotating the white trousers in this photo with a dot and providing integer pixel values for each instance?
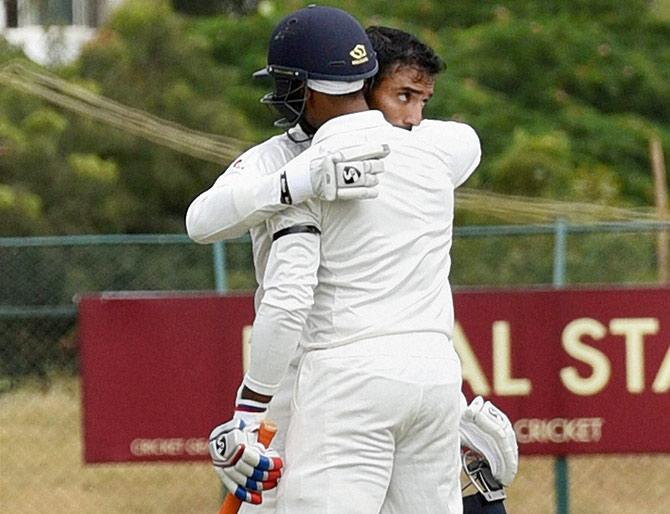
(374, 429)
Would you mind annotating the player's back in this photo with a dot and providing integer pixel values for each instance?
(385, 262)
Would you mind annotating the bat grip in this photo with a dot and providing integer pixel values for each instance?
(266, 433)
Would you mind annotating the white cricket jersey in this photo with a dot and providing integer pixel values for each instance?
(244, 196)
(381, 266)
(384, 264)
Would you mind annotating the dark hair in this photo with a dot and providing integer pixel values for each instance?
(396, 47)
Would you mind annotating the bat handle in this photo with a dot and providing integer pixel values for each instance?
(232, 503)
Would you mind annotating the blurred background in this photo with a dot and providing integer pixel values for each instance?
(114, 115)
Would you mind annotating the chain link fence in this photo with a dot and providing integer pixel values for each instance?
(41, 464)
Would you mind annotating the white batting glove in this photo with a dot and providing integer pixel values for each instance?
(244, 465)
(348, 174)
(487, 430)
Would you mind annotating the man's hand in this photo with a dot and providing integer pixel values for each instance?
(244, 465)
(350, 174)
(487, 430)
(347, 174)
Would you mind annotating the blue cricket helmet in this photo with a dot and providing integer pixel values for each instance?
(314, 43)
(324, 42)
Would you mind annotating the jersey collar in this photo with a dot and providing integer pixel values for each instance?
(297, 134)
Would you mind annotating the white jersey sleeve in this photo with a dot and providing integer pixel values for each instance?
(246, 194)
(233, 205)
(289, 282)
(457, 144)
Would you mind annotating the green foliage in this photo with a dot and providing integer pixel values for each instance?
(501, 261)
(564, 96)
(23, 352)
(20, 210)
(210, 7)
(565, 73)
(533, 165)
(612, 258)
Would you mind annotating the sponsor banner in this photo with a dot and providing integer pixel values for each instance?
(159, 372)
(577, 370)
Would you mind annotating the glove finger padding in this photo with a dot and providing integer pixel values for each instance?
(488, 431)
(255, 465)
(261, 458)
(361, 153)
(244, 494)
(243, 464)
(256, 474)
(492, 419)
(350, 169)
(251, 483)
(256, 470)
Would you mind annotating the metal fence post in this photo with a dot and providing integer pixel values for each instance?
(562, 481)
(560, 252)
(220, 272)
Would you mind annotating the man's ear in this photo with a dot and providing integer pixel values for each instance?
(311, 106)
(367, 86)
(309, 97)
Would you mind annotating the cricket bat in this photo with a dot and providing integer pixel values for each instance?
(267, 431)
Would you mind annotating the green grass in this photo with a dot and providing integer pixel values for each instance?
(42, 469)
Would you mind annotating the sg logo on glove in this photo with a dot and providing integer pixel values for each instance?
(350, 175)
(220, 446)
(495, 413)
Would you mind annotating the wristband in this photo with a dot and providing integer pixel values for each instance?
(298, 184)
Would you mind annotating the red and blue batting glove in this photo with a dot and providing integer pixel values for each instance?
(244, 465)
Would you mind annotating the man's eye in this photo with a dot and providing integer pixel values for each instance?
(403, 97)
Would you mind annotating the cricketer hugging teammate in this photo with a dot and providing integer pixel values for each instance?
(350, 211)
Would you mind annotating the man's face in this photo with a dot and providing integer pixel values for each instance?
(401, 94)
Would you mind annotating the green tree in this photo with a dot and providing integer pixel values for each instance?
(563, 95)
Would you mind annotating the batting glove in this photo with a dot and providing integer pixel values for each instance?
(244, 465)
(487, 430)
(349, 174)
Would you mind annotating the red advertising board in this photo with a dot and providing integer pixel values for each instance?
(159, 372)
(577, 370)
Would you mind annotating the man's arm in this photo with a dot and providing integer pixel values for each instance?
(289, 282)
(234, 204)
(457, 144)
(258, 186)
